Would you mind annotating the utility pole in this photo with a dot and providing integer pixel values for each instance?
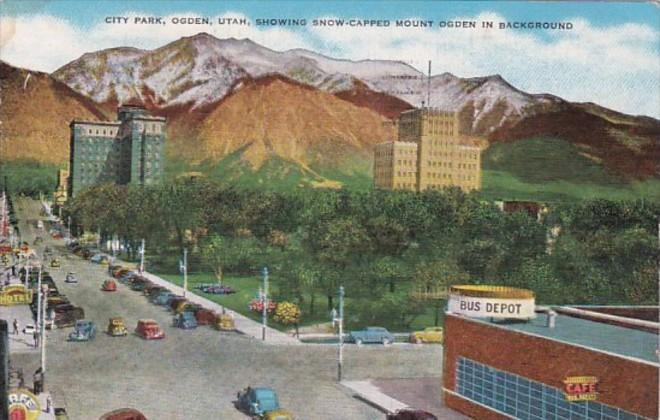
(264, 300)
(39, 297)
(142, 257)
(340, 359)
(184, 266)
(43, 338)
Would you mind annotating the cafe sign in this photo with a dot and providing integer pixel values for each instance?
(581, 388)
(483, 301)
(15, 295)
(23, 405)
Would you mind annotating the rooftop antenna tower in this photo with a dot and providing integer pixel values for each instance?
(428, 88)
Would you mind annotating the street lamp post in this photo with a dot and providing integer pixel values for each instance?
(264, 300)
(338, 318)
(142, 257)
(184, 270)
(42, 330)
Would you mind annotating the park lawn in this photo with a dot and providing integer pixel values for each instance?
(247, 288)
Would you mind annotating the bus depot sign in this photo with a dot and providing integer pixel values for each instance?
(581, 388)
(483, 301)
(15, 295)
(23, 405)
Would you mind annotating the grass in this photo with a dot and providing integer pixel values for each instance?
(247, 288)
(549, 169)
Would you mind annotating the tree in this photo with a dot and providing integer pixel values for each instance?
(434, 275)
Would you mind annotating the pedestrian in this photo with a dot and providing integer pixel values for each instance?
(15, 326)
(49, 403)
(13, 270)
(35, 335)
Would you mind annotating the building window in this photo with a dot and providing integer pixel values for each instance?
(522, 398)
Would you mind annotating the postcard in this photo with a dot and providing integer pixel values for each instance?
(317, 210)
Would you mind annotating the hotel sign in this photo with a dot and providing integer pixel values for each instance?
(480, 301)
(23, 405)
(581, 388)
(15, 295)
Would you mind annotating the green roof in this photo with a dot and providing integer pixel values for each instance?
(622, 341)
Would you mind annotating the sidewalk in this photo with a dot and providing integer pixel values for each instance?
(368, 392)
(243, 324)
(19, 343)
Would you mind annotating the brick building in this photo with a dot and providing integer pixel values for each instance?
(127, 151)
(530, 370)
(441, 155)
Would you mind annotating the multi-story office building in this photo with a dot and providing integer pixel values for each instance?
(127, 151)
(443, 156)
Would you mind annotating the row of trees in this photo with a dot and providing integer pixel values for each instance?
(383, 245)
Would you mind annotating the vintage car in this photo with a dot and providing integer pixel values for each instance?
(71, 277)
(371, 335)
(163, 297)
(152, 287)
(139, 284)
(29, 329)
(205, 317)
(100, 258)
(428, 335)
(411, 414)
(185, 320)
(257, 401)
(187, 306)
(225, 322)
(116, 327)
(66, 315)
(55, 263)
(149, 329)
(109, 286)
(85, 330)
(278, 415)
(123, 414)
(175, 301)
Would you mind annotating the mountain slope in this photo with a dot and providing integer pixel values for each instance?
(35, 113)
(275, 116)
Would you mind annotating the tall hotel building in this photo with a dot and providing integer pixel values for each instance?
(430, 153)
(128, 151)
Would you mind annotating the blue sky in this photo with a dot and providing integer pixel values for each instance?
(612, 56)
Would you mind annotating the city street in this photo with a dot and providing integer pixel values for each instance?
(195, 374)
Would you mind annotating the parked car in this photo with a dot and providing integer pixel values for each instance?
(371, 335)
(109, 286)
(225, 322)
(411, 414)
(149, 329)
(257, 401)
(66, 315)
(116, 327)
(152, 287)
(29, 329)
(175, 301)
(85, 330)
(123, 414)
(278, 415)
(428, 335)
(99, 258)
(55, 263)
(139, 284)
(71, 277)
(60, 413)
(205, 317)
(187, 306)
(163, 297)
(185, 320)
(156, 291)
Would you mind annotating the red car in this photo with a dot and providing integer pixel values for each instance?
(149, 329)
(124, 414)
(205, 317)
(109, 286)
(411, 414)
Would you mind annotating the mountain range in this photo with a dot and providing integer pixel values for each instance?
(230, 98)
